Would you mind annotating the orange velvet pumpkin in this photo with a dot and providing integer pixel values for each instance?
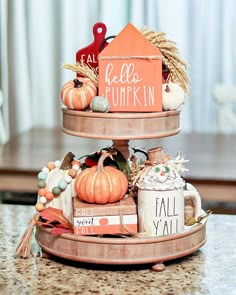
(101, 184)
(77, 94)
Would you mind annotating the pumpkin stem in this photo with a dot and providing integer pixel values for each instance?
(102, 159)
(77, 83)
(66, 163)
(167, 88)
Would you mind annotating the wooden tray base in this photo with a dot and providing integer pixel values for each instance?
(121, 126)
(122, 251)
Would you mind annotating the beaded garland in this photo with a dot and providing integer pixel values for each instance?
(45, 196)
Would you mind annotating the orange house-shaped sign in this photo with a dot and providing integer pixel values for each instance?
(130, 73)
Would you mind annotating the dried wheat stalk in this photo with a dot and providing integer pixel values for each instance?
(84, 70)
(171, 58)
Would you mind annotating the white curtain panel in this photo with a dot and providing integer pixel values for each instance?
(38, 36)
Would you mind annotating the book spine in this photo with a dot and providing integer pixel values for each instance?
(104, 220)
(105, 225)
(106, 229)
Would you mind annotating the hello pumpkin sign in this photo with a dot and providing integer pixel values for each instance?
(130, 73)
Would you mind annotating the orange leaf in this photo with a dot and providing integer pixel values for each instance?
(55, 215)
(58, 231)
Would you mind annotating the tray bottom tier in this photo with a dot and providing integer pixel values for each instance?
(122, 251)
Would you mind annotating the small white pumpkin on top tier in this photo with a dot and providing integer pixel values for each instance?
(173, 96)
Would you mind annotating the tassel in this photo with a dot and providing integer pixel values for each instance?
(24, 249)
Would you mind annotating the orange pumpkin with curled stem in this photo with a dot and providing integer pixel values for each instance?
(101, 185)
(77, 94)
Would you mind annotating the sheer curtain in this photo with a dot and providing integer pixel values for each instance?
(38, 36)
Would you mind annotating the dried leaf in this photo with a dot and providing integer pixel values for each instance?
(59, 230)
(55, 215)
(192, 220)
(122, 163)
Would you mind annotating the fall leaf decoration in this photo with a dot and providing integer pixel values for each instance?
(55, 217)
(121, 162)
(90, 159)
(57, 231)
(171, 58)
(50, 217)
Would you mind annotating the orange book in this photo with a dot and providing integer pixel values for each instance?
(96, 225)
(125, 206)
(112, 218)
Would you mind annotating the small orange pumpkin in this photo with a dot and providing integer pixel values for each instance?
(77, 94)
(101, 185)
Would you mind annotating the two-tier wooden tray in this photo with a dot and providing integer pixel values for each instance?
(120, 128)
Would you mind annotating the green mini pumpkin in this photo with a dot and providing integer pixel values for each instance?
(100, 104)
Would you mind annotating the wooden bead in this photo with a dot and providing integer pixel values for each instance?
(68, 179)
(41, 183)
(76, 167)
(42, 192)
(42, 176)
(43, 200)
(51, 165)
(39, 207)
(62, 185)
(75, 163)
(49, 196)
(45, 170)
(56, 191)
(72, 173)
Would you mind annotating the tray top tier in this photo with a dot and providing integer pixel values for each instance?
(120, 126)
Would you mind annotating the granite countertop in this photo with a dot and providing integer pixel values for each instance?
(210, 270)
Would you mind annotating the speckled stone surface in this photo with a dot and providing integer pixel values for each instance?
(210, 270)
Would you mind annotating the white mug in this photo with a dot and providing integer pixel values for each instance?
(161, 213)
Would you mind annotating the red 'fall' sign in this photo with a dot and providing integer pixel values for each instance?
(88, 55)
(130, 73)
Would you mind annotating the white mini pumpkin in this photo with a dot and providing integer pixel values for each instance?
(173, 96)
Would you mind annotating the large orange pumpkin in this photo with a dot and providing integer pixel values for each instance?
(77, 94)
(101, 184)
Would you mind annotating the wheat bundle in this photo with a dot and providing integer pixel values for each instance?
(84, 70)
(171, 58)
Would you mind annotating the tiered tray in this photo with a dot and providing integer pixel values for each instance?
(105, 250)
(120, 128)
